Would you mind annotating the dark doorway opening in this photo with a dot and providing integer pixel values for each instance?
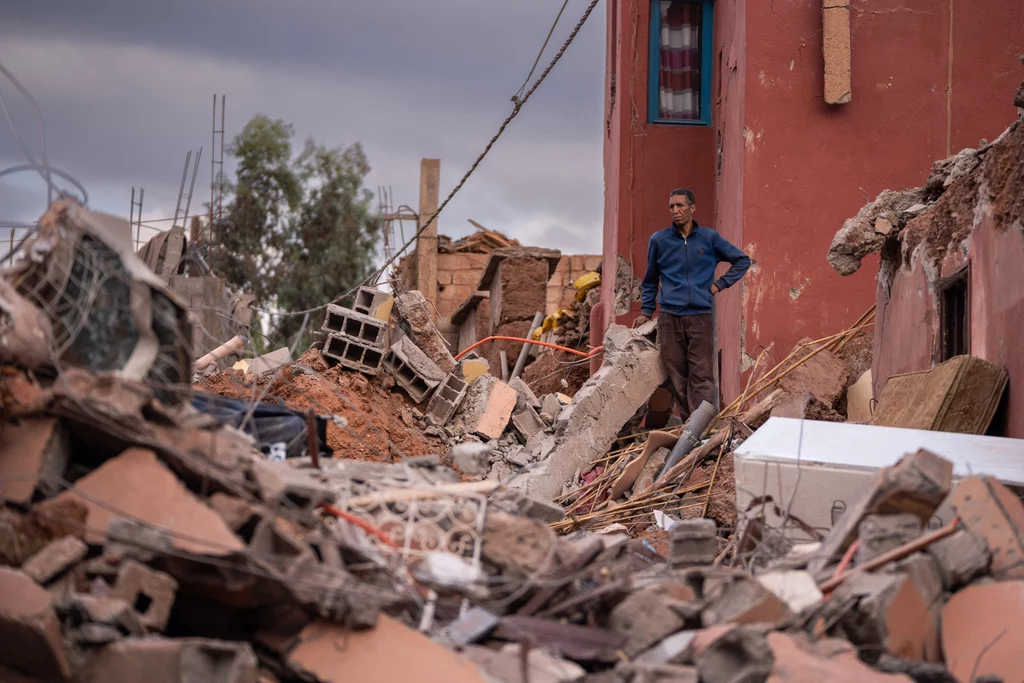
(955, 315)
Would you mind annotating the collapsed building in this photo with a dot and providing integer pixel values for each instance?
(173, 516)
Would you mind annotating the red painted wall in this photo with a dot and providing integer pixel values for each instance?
(793, 168)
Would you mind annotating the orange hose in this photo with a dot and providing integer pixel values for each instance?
(583, 354)
(352, 519)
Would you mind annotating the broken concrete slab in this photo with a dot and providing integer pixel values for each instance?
(336, 654)
(961, 558)
(33, 454)
(550, 405)
(525, 394)
(54, 559)
(990, 510)
(982, 631)
(472, 458)
(167, 660)
(797, 589)
(527, 422)
(858, 238)
(280, 484)
(416, 318)
(516, 503)
(824, 376)
(744, 601)
(486, 408)
(585, 430)
(150, 593)
(917, 484)
(878, 534)
(30, 638)
(269, 362)
(137, 483)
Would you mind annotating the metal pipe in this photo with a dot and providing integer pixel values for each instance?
(521, 362)
(236, 343)
(692, 431)
(191, 188)
(181, 190)
(504, 365)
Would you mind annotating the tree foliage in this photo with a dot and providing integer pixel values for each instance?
(299, 230)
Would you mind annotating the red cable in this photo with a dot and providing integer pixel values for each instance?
(368, 528)
(583, 354)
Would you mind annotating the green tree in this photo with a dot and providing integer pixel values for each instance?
(300, 231)
(332, 235)
(265, 191)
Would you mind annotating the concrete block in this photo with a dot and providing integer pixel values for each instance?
(446, 400)
(416, 318)
(149, 592)
(31, 452)
(519, 456)
(278, 548)
(172, 660)
(550, 405)
(412, 369)
(527, 422)
(269, 362)
(364, 329)
(102, 610)
(30, 638)
(369, 300)
(879, 534)
(961, 558)
(54, 559)
(692, 542)
(630, 373)
(353, 354)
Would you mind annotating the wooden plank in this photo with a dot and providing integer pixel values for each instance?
(426, 243)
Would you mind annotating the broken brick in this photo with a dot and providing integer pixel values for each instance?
(960, 558)
(795, 659)
(917, 484)
(149, 592)
(923, 570)
(990, 510)
(527, 422)
(30, 639)
(982, 631)
(33, 454)
(54, 559)
(139, 485)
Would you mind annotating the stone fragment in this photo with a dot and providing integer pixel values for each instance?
(138, 484)
(878, 534)
(30, 638)
(744, 601)
(172, 660)
(990, 510)
(917, 484)
(33, 454)
(740, 655)
(647, 616)
(692, 542)
(982, 631)
(797, 589)
(525, 395)
(472, 458)
(527, 422)
(550, 405)
(54, 559)
(961, 558)
(149, 592)
(522, 546)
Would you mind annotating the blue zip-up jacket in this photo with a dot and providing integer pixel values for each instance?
(685, 269)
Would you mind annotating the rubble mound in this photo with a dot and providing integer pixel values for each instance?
(381, 424)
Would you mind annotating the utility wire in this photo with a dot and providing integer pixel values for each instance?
(516, 108)
(515, 98)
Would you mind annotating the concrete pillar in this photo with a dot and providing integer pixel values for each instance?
(426, 243)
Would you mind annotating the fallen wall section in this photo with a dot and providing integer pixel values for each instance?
(586, 428)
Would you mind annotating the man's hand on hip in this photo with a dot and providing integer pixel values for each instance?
(640, 320)
(715, 289)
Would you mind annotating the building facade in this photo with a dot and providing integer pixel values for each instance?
(729, 98)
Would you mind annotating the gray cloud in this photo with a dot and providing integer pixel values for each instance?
(126, 89)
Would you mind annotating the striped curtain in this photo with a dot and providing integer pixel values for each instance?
(679, 64)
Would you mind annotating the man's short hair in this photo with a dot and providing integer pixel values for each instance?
(684, 192)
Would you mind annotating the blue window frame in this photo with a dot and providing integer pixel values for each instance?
(679, 81)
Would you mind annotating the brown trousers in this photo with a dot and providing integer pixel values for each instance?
(688, 353)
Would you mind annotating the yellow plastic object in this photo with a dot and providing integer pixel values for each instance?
(471, 369)
(585, 283)
(383, 312)
(537, 333)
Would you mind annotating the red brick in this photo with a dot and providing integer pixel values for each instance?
(53, 559)
(982, 631)
(30, 639)
(151, 593)
(990, 510)
(32, 450)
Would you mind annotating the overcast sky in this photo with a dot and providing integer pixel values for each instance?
(126, 90)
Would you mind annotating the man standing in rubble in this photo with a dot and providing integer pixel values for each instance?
(681, 259)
